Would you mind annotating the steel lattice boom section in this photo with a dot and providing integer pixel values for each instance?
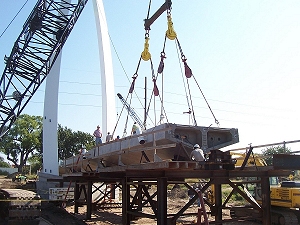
(33, 55)
(131, 112)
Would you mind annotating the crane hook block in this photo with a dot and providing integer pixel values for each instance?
(170, 33)
(146, 54)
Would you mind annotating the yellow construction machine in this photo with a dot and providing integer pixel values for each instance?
(284, 192)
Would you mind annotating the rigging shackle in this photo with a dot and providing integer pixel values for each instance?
(187, 70)
(155, 88)
(132, 84)
(146, 54)
(170, 33)
(161, 63)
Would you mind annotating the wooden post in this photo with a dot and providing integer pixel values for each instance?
(162, 201)
(125, 202)
(89, 201)
(266, 200)
(76, 197)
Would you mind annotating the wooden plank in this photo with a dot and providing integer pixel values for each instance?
(150, 166)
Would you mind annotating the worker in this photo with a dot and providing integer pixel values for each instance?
(117, 138)
(98, 135)
(82, 152)
(197, 154)
(135, 129)
(108, 137)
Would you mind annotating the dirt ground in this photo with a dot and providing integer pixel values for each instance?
(56, 215)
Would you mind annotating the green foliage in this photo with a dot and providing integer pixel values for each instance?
(3, 163)
(69, 142)
(270, 151)
(22, 140)
(36, 162)
(235, 198)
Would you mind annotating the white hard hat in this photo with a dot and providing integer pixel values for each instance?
(196, 146)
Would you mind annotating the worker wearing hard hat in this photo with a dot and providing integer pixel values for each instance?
(135, 129)
(197, 154)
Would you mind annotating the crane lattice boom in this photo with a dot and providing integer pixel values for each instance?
(33, 55)
(131, 111)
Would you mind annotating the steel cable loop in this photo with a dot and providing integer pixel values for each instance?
(183, 58)
(190, 96)
(179, 47)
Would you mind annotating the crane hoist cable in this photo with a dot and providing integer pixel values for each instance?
(145, 55)
(13, 19)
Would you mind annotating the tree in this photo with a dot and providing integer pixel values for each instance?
(69, 142)
(36, 162)
(270, 151)
(22, 140)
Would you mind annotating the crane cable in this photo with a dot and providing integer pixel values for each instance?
(145, 55)
(188, 74)
(125, 127)
(13, 19)
(186, 94)
(216, 121)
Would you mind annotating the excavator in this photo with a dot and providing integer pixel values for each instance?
(284, 193)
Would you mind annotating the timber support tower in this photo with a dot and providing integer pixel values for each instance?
(161, 174)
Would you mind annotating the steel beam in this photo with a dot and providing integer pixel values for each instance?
(286, 161)
(164, 7)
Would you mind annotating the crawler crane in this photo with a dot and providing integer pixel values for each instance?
(34, 52)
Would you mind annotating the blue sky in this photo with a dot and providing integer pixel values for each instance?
(244, 54)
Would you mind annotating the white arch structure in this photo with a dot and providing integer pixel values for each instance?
(50, 142)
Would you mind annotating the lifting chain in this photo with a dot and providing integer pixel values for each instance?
(170, 33)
